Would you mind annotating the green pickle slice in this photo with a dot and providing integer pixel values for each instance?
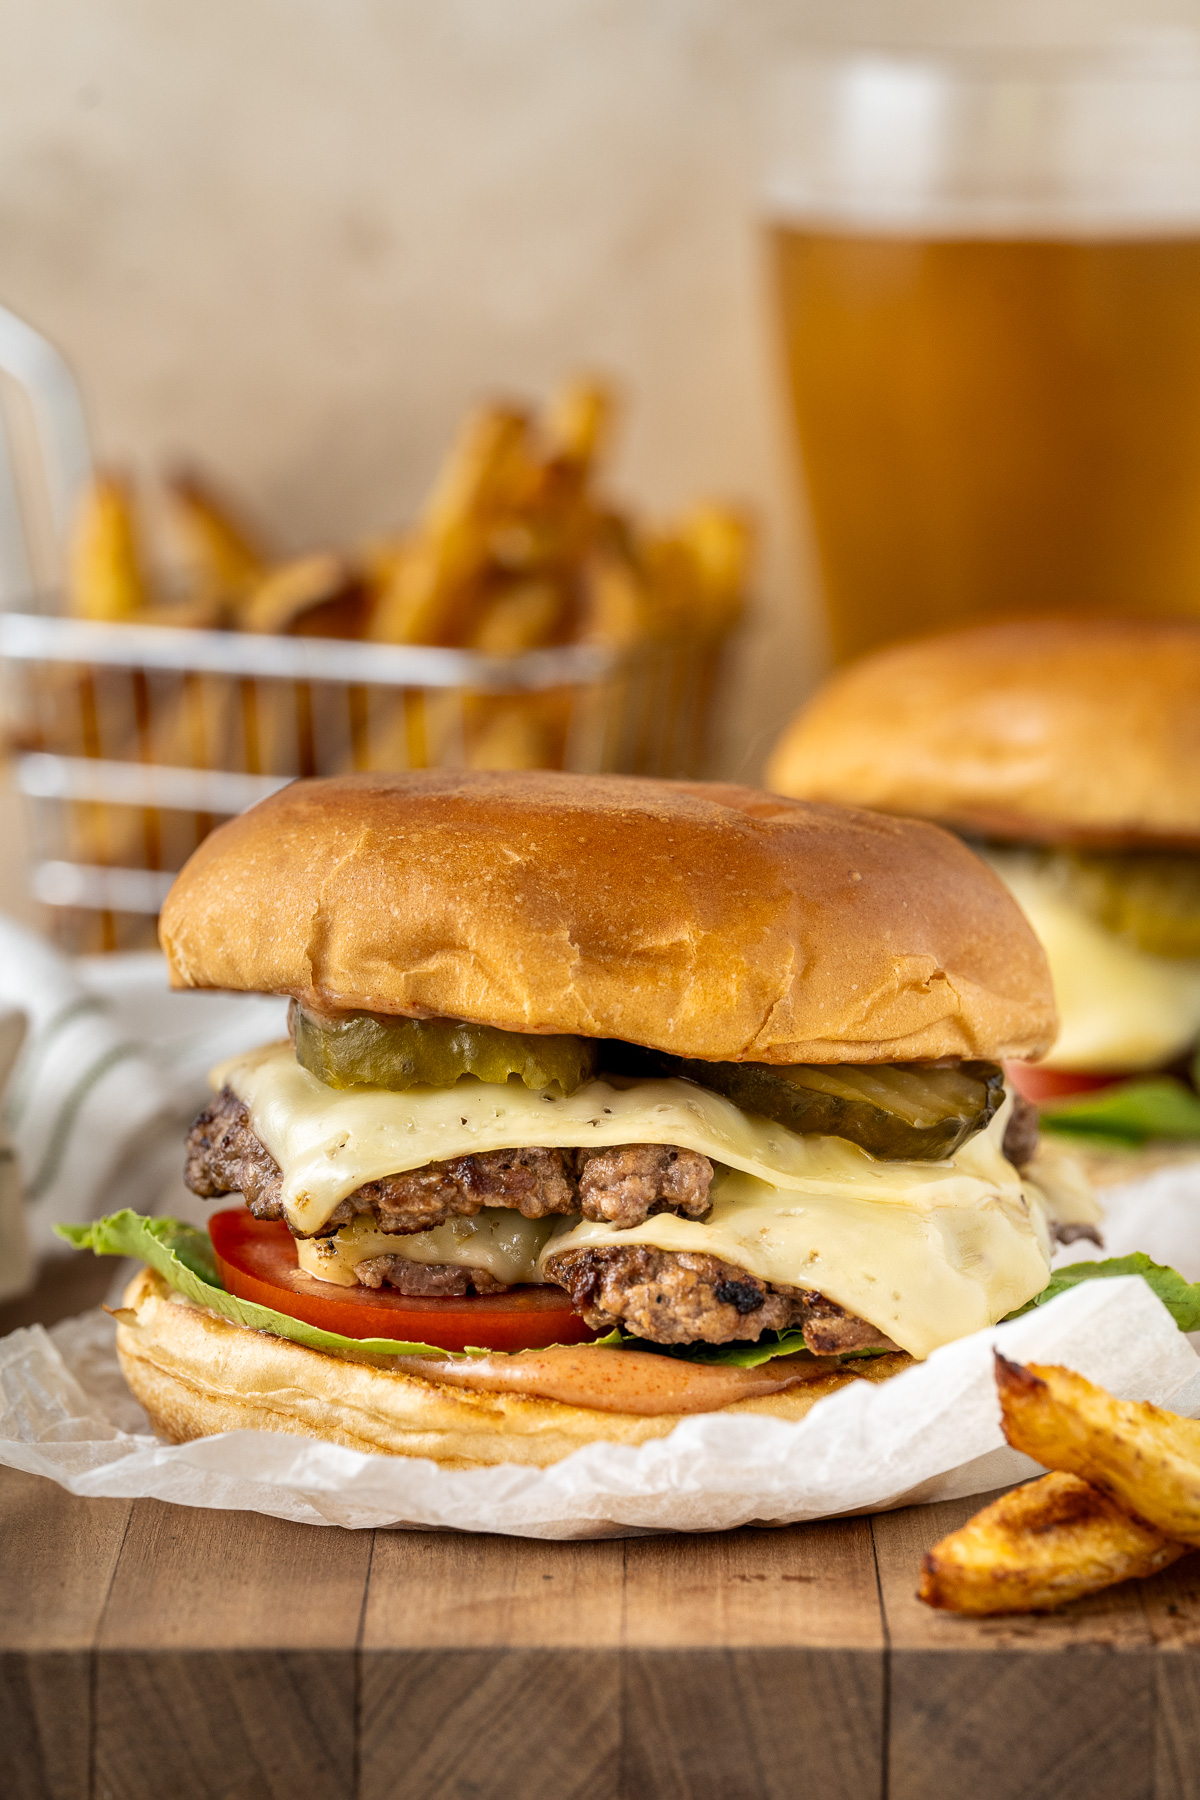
(1150, 897)
(361, 1049)
(901, 1112)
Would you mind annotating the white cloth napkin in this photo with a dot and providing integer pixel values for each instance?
(112, 1070)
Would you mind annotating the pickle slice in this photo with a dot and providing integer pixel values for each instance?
(1150, 897)
(361, 1049)
(902, 1112)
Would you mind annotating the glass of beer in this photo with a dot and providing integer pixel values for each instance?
(987, 270)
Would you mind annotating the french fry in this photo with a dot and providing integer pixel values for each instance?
(429, 598)
(522, 617)
(578, 422)
(226, 560)
(719, 542)
(1038, 1547)
(105, 578)
(617, 607)
(698, 570)
(516, 735)
(1145, 1459)
(282, 599)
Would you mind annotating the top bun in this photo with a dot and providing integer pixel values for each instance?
(1079, 731)
(711, 921)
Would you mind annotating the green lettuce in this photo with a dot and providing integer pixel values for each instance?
(735, 1356)
(184, 1258)
(1181, 1298)
(1128, 1112)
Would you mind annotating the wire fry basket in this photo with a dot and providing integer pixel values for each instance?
(133, 741)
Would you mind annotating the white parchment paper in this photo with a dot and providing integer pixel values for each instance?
(931, 1433)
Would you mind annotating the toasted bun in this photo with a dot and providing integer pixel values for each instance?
(196, 1374)
(711, 921)
(1054, 731)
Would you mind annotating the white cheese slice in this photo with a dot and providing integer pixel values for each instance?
(1120, 1008)
(923, 1250)
(330, 1141)
(496, 1239)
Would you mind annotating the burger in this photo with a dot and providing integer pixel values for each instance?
(606, 1101)
(1068, 752)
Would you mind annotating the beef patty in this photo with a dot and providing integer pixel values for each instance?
(1021, 1133)
(426, 1281)
(621, 1186)
(685, 1297)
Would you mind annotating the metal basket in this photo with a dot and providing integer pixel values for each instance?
(133, 741)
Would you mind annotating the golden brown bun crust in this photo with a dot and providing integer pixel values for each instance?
(196, 1374)
(711, 921)
(1055, 731)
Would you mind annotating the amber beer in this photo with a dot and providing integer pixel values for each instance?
(995, 426)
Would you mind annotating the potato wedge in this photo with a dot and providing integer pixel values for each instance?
(1145, 1459)
(1038, 1547)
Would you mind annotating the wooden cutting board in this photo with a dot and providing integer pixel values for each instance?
(152, 1652)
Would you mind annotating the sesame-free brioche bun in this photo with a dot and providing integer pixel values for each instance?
(196, 1374)
(1052, 731)
(707, 920)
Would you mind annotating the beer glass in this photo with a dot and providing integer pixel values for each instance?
(987, 272)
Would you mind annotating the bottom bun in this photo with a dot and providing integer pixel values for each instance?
(197, 1374)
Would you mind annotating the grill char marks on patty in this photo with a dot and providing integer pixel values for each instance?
(685, 1297)
(621, 1186)
(225, 1157)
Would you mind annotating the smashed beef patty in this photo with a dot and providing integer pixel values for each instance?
(621, 1186)
(625, 1185)
(687, 1297)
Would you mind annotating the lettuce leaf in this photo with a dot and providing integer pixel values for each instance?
(184, 1258)
(1181, 1298)
(734, 1356)
(1128, 1112)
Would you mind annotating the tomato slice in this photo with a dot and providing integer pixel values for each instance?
(1039, 1085)
(257, 1260)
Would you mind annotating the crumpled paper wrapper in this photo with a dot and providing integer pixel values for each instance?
(931, 1433)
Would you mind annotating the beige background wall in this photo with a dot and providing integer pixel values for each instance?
(292, 238)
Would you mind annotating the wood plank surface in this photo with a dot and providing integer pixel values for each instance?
(1057, 1707)
(490, 1666)
(1171, 1604)
(166, 1652)
(57, 1558)
(228, 1646)
(798, 1679)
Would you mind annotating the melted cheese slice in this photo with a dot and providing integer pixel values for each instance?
(496, 1239)
(1120, 1008)
(926, 1251)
